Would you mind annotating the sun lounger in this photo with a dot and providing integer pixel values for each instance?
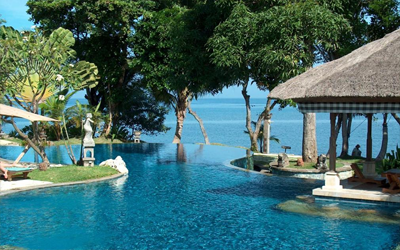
(394, 183)
(18, 172)
(359, 177)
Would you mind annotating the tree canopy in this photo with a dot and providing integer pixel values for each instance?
(103, 31)
(36, 67)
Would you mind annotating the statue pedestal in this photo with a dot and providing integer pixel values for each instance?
(332, 181)
(136, 139)
(88, 160)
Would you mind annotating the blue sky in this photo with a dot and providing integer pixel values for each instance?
(14, 12)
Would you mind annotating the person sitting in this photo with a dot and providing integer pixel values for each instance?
(356, 151)
(3, 169)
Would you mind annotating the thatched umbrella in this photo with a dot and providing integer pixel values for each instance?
(364, 81)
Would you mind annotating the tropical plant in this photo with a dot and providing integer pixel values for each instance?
(261, 136)
(35, 67)
(54, 107)
(392, 160)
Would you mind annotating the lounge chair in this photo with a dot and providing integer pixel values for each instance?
(359, 177)
(394, 183)
(18, 172)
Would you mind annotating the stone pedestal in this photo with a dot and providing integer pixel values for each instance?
(88, 160)
(136, 138)
(332, 181)
(369, 169)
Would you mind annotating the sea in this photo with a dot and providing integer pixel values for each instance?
(225, 123)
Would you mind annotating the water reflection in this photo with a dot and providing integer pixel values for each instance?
(119, 183)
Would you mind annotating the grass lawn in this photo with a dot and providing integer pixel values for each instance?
(99, 140)
(72, 173)
(340, 162)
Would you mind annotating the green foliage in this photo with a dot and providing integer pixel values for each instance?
(369, 20)
(41, 64)
(392, 160)
(171, 53)
(104, 35)
(139, 112)
(272, 44)
(77, 113)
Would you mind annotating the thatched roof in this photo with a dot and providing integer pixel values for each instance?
(15, 112)
(370, 73)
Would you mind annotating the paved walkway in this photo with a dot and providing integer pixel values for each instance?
(21, 184)
(358, 191)
(17, 185)
(7, 143)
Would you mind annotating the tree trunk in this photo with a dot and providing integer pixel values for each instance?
(267, 124)
(180, 113)
(385, 138)
(111, 110)
(337, 129)
(310, 153)
(252, 134)
(37, 149)
(266, 135)
(396, 118)
(200, 121)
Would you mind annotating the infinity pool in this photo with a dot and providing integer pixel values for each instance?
(181, 197)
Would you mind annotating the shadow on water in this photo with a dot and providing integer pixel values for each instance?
(270, 186)
(342, 210)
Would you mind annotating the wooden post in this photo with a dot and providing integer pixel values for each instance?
(332, 144)
(369, 138)
(27, 147)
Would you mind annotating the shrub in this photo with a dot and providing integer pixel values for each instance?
(392, 160)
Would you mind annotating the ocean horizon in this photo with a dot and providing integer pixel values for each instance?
(225, 122)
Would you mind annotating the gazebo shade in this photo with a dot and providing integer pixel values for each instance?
(370, 74)
(16, 112)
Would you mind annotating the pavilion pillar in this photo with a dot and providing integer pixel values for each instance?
(332, 179)
(369, 164)
(332, 144)
(369, 138)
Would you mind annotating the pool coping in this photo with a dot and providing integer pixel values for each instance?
(28, 188)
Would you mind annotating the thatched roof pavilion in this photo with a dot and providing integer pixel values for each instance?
(364, 81)
(368, 74)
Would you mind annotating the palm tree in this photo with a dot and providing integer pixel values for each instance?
(260, 137)
(54, 107)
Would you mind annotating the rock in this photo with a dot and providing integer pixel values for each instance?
(306, 198)
(118, 164)
(43, 166)
(300, 162)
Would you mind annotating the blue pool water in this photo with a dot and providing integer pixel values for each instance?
(179, 197)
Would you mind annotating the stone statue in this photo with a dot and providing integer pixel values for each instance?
(283, 160)
(87, 126)
(321, 162)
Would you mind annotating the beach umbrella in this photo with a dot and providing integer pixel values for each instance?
(365, 81)
(19, 113)
(16, 112)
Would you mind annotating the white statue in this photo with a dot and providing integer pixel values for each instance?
(87, 126)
